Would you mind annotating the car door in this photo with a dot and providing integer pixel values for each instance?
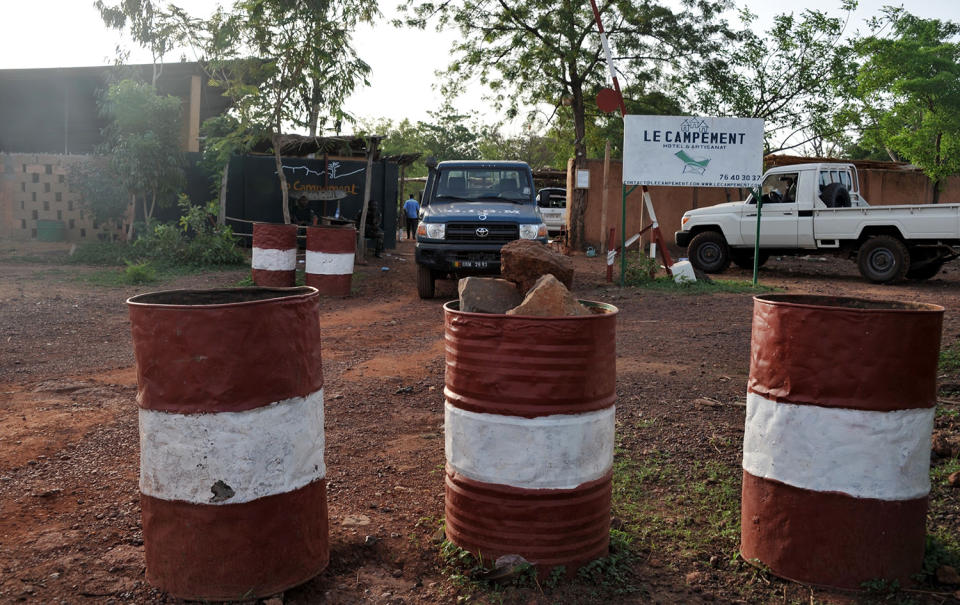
(778, 213)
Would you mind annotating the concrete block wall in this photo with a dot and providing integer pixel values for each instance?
(37, 187)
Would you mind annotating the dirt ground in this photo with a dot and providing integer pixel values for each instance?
(69, 505)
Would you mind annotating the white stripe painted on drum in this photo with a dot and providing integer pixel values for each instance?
(271, 259)
(327, 263)
(562, 451)
(268, 450)
(865, 454)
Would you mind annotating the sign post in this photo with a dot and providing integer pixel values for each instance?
(692, 151)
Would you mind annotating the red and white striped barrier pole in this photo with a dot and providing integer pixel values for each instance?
(836, 449)
(274, 258)
(330, 256)
(232, 474)
(530, 435)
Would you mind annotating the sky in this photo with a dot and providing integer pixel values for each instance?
(69, 33)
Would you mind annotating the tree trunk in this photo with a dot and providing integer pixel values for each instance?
(367, 196)
(148, 212)
(314, 109)
(577, 206)
(936, 191)
(222, 215)
(131, 216)
(284, 194)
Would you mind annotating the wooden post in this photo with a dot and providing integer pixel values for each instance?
(603, 198)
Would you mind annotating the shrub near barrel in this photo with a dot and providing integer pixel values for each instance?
(529, 424)
(836, 450)
(232, 474)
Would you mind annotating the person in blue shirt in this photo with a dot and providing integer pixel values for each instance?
(411, 210)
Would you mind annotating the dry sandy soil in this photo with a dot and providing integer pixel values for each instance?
(69, 505)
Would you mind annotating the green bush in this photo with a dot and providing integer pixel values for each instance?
(195, 241)
(106, 254)
(139, 273)
(641, 269)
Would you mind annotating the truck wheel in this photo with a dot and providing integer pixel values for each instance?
(925, 271)
(883, 259)
(835, 195)
(425, 282)
(709, 252)
(744, 259)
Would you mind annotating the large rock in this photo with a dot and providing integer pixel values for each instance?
(524, 261)
(488, 295)
(549, 298)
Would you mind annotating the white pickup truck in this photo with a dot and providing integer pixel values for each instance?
(817, 208)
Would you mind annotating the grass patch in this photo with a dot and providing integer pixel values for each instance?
(641, 272)
(950, 358)
(715, 286)
(940, 472)
(146, 272)
(687, 510)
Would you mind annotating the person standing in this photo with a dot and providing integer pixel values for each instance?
(411, 211)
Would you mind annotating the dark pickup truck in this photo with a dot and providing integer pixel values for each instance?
(470, 209)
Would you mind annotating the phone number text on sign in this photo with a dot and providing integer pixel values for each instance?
(752, 178)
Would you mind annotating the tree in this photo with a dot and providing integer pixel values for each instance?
(151, 26)
(797, 77)
(540, 52)
(304, 65)
(142, 141)
(910, 91)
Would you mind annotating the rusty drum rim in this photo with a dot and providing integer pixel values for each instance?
(295, 293)
(821, 302)
(609, 311)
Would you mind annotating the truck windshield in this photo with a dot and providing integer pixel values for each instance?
(507, 184)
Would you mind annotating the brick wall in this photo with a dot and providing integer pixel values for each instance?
(35, 187)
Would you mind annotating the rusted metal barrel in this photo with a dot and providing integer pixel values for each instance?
(330, 252)
(529, 425)
(274, 259)
(836, 449)
(232, 475)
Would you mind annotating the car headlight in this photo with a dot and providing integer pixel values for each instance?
(533, 231)
(432, 230)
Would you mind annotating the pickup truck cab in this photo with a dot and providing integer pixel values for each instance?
(470, 209)
(817, 208)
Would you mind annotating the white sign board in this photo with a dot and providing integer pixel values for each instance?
(687, 151)
(583, 179)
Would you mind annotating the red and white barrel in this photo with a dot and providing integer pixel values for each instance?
(836, 448)
(232, 474)
(329, 264)
(274, 258)
(529, 427)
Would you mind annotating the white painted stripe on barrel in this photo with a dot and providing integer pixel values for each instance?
(268, 450)
(865, 454)
(562, 451)
(271, 259)
(327, 263)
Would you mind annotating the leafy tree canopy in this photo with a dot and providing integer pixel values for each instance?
(910, 91)
(797, 77)
(142, 140)
(540, 52)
